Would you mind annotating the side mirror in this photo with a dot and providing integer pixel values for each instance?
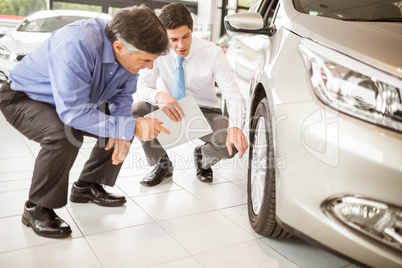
(248, 22)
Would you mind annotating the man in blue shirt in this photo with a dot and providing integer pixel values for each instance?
(56, 95)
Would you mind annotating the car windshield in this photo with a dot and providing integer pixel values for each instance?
(47, 25)
(356, 10)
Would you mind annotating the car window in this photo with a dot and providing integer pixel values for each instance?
(47, 25)
(265, 8)
(365, 10)
(270, 12)
(255, 6)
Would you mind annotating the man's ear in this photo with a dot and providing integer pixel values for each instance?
(118, 47)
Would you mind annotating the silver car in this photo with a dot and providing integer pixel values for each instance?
(33, 30)
(323, 80)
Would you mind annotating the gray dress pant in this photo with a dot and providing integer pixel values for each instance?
(212, 151)
(60, 145)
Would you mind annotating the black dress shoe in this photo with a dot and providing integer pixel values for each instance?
(45, 222)
(94, 193)
(204, 175)
(162, 170)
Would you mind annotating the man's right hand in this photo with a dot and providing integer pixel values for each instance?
(147, 128)
(169, 106)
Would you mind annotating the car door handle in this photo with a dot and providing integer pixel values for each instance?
(238, 50)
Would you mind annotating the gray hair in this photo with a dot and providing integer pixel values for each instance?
(138, 29)
(129, 48)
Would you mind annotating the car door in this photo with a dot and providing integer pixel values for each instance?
(248, 53)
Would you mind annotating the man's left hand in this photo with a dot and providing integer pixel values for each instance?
(238, 139)
(121, 149)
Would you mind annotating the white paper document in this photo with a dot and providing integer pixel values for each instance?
(194, 125)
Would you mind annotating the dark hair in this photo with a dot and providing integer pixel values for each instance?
(176, 15)
(140, 27)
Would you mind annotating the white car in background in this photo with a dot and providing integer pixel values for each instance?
(33, 30)
(323, 82)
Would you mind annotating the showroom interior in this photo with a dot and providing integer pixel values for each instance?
(181, 222)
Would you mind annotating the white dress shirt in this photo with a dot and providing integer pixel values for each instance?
(204, 65)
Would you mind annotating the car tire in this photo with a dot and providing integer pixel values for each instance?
(261, 198)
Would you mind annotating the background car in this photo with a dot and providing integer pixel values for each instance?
(32, 31)
(323, 83)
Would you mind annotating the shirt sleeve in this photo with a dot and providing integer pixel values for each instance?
(225, 79)
(120, 108)
(147, 84)
(70, 70)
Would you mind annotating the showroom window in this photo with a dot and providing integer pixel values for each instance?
(243, 5)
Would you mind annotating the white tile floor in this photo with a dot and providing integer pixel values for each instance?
(179, 223)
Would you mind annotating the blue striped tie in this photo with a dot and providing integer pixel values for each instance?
(179, 88)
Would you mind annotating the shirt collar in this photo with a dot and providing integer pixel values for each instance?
(191, 50)
(108, 54)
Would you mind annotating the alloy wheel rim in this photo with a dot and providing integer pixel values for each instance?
(259, 165)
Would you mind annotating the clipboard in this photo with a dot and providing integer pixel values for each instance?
(194, 125)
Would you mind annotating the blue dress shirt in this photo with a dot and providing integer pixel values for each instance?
(75, 71)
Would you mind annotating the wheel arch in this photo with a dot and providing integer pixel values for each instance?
(258, 93)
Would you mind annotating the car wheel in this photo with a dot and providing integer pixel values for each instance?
(261, 176)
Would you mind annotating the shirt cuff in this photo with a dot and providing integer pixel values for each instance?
(235, 119)
(152, 96)
(124, 128)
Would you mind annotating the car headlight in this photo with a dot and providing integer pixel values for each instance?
(4, 52)
(353, 87)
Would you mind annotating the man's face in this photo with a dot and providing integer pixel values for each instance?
(180, 40)
(133, 62)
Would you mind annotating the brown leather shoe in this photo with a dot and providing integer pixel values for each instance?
(162, 170)
(94, 193)
(204, 175)
(45, 222)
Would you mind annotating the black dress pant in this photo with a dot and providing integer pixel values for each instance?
(213, 150)
(60, 145)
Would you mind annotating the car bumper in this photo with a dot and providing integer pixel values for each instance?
(322, 154)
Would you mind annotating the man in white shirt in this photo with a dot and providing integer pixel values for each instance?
(204, 64)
